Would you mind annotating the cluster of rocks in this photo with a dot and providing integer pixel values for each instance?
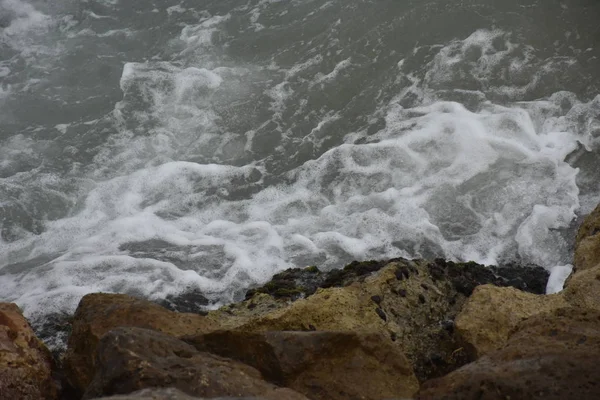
(373, 330)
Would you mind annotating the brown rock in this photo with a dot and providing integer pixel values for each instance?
(587, 243)
(25, 363)
(168, 394)
(99, 313)
(583, 290)
(492, 312)
(131, 359)
(549, 357)
(321, 365)
(416, 327)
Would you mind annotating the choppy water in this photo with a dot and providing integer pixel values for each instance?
(155, 146)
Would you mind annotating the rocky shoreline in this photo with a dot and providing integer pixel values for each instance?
(393, 329)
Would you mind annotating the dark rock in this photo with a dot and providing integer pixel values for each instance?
(545, 358)
(421, 299)
(381, 314)
(376, 299)
(466, 276)
(321, 365)
(131, 359)
(192, 301)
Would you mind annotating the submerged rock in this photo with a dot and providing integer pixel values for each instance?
(587, 243)
(131, 359)
(25, 362)
(492, 312)
(550, 356)
(99, 313)
(321, 365)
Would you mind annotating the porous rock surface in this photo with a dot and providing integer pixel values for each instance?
(322, 365)
(99, 313)
(551, 356)
(491, 313)
(130, 359)
(25, 362)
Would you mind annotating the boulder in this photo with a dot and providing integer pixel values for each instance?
(100, 312)
(322, 365)
(168, 394)
(414, 303)
(551, 356)
(492, 312)
(25, 363)
(587, 243)
(131, 359)
(583, 289)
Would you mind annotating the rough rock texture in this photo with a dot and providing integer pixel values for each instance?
(411, 302)
(168, 394)
(583, 289)
(131, 359)
(321, 365)
(25, 363)
(549, 357)
(587, 243)
(99, 313)
(492, 312)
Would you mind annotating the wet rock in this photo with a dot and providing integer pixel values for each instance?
(587, 243)
(416, 326)
(192, 301)
(492, 312)
(168, 394)
(25, 363)
(415, 298)
(321, 365)
(467, 276)
(549, 357)
(99, 313)
(131, 359)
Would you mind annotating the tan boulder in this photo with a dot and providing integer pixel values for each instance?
(25, 363)
(413, 302)
(550, 356)
(492, 312)
(130, 359)
(587, 243)
(99, 313)
(401, 301)
(583, 289)
(322, 365)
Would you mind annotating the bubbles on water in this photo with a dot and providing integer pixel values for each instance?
(445, 162)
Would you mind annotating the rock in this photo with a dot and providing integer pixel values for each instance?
(131, 359)
(583, 290)
(408, 301)
(99, 313)
(168, 394)
(320, 365)
(25, 363)
(492, 312)
(550, 356)
(587, 243)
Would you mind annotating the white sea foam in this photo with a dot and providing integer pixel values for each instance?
(487, 183)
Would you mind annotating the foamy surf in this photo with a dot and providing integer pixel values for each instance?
(200, 165)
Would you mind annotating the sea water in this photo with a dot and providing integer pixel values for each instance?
(159, 146)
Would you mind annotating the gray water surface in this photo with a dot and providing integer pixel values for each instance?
(151, 147)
